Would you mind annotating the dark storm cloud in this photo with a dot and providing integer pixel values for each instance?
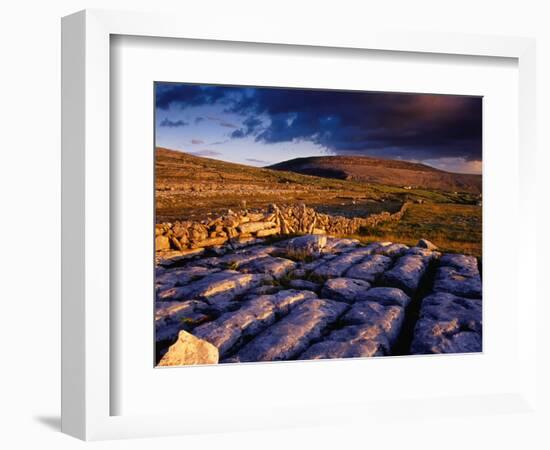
(172, 123)
(186, 95)
(250, 127)
(409, 126)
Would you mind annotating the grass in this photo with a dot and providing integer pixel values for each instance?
(452, 227)
(283, 281)
(300, 256)
(232, 266)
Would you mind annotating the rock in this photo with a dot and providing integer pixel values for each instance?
(370, 269)
(268, 232)
(210, 242)
(304, 285)
(449, 279)
(219, 287)
(276, 267)
(424, 243)
(418, 251)
(181, 276)
(448, 324)
(467, 265)
(181, 231)
(198, 232)
(175, 257)
(290, 336)
(337, 244)
(252, 227)
(345, 289)
(218, 250)
(308, 245)
(237, 259)
(337, 267)
(310, 266)
(254, 316)
(370, 329)
(360, 348)
(364, 340)
(175, 243)
(392, 250)
(458, 275)
(389, 319)
(190, 350)
(387, 296)
(407, 273)
(162, 243)
(242, 242)
(171, 317)
(231, 232)
(255, 217)
(265, 289)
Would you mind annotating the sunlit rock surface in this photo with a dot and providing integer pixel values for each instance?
(448, 324)
(370, 269)
(459, 275)
(315, 297)
(253, 317)
(336, 267)
(290, 336)
(190, 350)
(407, 273)
(346, 290)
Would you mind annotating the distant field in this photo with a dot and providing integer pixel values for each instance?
(452, 227)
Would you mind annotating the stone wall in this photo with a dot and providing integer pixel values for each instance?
(245, 225)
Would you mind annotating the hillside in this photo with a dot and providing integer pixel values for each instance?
(382, 171)
(189, 186)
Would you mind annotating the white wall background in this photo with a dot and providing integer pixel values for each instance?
(30, 192)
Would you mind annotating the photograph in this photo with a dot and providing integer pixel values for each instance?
(296, 224)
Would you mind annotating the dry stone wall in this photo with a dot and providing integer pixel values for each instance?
(237, 228)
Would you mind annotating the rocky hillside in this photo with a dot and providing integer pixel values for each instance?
(382, 171)
(316, 297)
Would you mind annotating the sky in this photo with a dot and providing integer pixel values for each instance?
(260, 126)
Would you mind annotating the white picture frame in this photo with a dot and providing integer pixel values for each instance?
(86, 219)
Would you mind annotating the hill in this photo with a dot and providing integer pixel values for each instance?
(191, 186)
(382, 171)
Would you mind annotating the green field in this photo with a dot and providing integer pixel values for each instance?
(452, 227)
